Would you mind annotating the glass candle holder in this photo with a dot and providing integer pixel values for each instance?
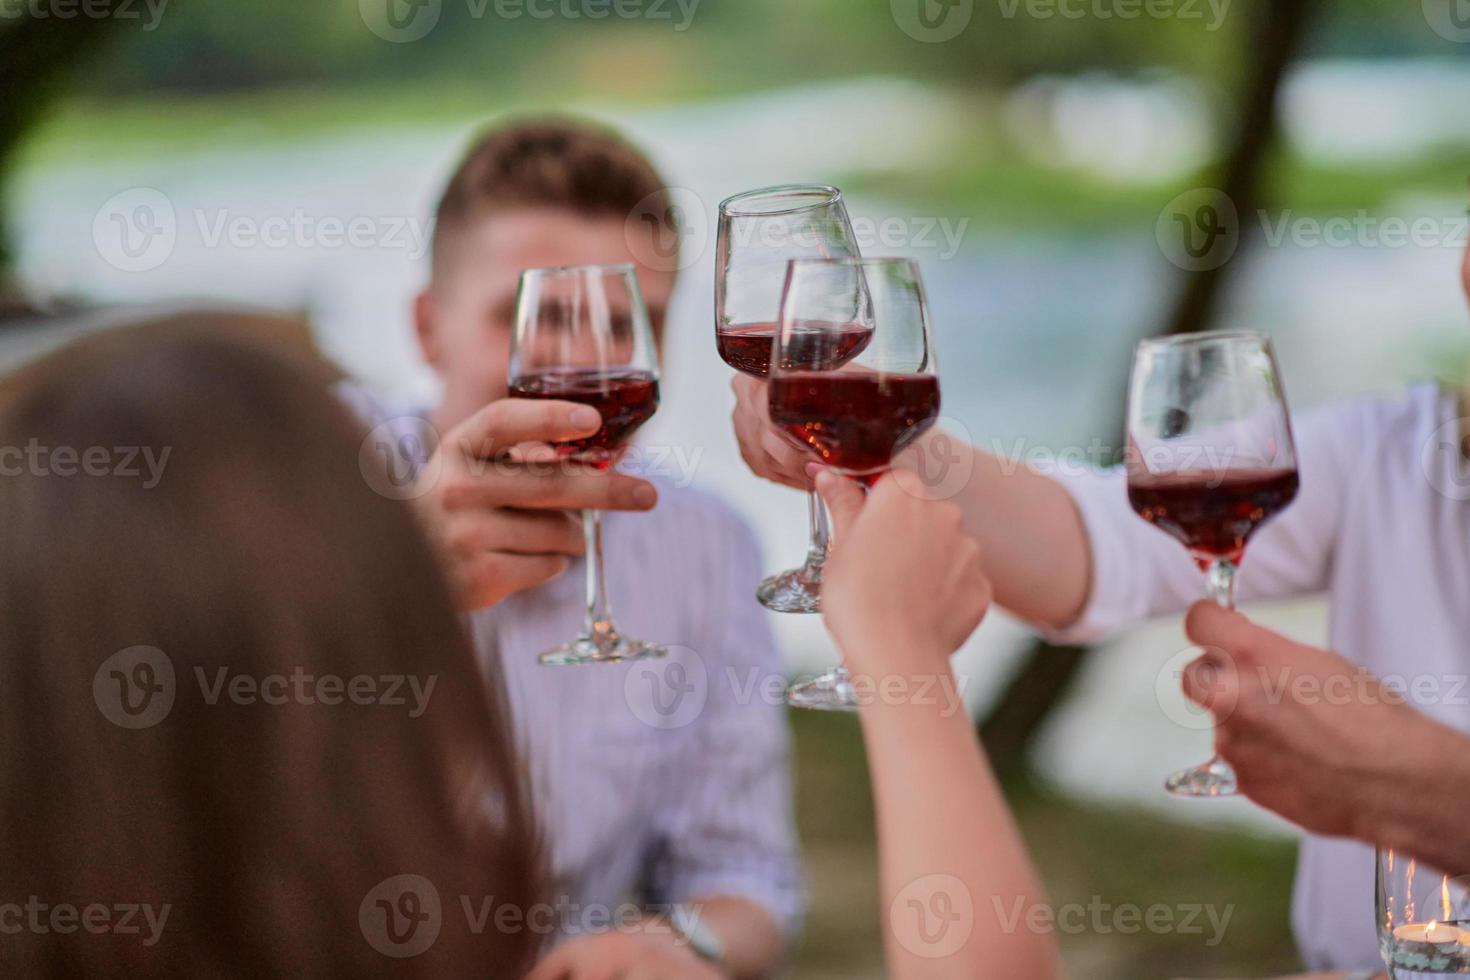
(1423, 918)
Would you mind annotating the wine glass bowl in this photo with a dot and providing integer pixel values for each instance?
(582, 335)
(1210, 459)
(759, 232)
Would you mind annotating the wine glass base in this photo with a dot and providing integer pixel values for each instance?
(1213, 778)
(796, 591)
(587, 650)
(830, 692)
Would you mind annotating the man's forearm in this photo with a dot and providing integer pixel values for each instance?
(1419, 807)
(1036, 548)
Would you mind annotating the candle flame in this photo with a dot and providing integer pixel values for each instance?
(1444, 896)
(1409, 901)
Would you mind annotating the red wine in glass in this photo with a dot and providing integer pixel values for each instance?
(624, 398)
(853, 418)
(747, 348)
(1215, 395)
(1212, 514)
(855, 421)
(760, 231)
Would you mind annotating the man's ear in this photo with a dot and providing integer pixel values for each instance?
(425, 325)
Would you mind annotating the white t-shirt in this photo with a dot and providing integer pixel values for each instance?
(1382, 523)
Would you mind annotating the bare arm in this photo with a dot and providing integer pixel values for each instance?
(1035, 547)
(903, 590)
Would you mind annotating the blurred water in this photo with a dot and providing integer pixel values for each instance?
(1034, 332)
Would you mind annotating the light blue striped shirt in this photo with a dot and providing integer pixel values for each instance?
(661, 781)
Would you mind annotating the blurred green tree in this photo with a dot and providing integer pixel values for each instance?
(38, 56)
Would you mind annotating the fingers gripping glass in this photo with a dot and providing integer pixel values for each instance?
(853, 403)
(759, 232)
(582, 335)
(1210, 459)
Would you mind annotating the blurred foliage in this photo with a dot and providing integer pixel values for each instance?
(1149, 860)
(729, 44)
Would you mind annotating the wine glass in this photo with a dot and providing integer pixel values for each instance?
(582, 335)
(854, 403)
(1423, 916)
(759, 232)
(1210, 459)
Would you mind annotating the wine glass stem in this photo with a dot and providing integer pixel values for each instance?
(599, 625)
(1220, 579)
(820, 539)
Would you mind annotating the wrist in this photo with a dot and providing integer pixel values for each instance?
(1405, 811)
(910, 691)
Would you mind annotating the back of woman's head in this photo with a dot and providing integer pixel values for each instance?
(236, 691)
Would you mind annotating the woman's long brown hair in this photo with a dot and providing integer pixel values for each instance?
(274, 833)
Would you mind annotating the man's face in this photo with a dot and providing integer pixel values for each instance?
(467, 318)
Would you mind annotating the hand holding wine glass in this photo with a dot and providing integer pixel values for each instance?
(582, 335)
(904, 581)
(853, 415)
(759, 232)
(1210, 459)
